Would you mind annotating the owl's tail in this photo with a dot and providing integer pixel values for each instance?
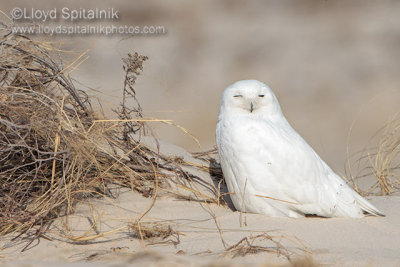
(366, 206)
(351, 204)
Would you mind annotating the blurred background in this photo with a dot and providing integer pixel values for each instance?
(334, 65)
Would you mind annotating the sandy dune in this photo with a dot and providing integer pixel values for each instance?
(335, 242)
(197, 240)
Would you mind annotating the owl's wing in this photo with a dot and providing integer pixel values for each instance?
(282, 165)
(285, 156)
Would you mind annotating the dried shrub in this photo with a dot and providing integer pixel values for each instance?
(56, 151)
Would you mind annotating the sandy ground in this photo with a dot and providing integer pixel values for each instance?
(202, 233)
(338, 242)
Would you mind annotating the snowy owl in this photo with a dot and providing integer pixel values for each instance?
(267, 165)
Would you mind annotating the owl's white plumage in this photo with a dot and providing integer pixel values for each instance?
(267, 165)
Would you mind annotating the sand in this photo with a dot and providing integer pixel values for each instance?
(205, 232)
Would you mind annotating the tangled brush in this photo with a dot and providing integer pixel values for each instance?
(55, 150)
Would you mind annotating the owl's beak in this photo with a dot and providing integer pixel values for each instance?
(251, 106)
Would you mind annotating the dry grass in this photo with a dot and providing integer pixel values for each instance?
(247, 246)
(381, 161)
(155, 233)
(47, 157)
(386, 161)
(265, 243)
(55, 150)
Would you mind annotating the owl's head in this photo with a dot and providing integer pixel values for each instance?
(250, 97)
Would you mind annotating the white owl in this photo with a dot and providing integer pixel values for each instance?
(267, 165)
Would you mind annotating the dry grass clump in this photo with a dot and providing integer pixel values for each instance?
(381, 162)
(265, 243)
(47, 156)
(55, 150)
(386, 161)
(247, 245)
(155, 233)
